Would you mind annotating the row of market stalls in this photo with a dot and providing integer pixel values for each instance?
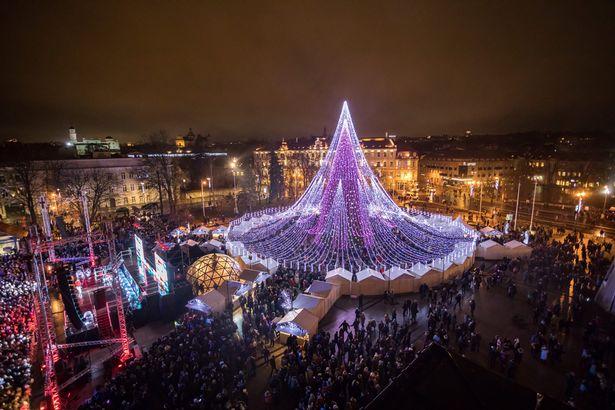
(492, 250)
(308, 309)
(396, 279)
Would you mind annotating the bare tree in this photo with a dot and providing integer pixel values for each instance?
(97, 186)
(28, 185)
(166, 175)
(53, 175)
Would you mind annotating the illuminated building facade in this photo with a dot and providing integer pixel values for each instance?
(300, 160)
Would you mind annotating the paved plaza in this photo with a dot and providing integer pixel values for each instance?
(495, 314)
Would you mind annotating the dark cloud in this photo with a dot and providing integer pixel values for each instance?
(274, 69)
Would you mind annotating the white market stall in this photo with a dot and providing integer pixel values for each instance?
(213, 245)
(219, 232)
(297, 322)
(235, 249)
(268, 265)
(330, 292)
(211, 302)
(200, 231)
(253, 275)
(247, 261)
(490, 250)
(490, 232)
(516, 249)
(445, 267)
(341, 277)
(369, 282)
(426, 274)
(315, 304)
(401, 280)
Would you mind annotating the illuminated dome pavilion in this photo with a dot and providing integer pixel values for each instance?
(210, 271)
(346, 219)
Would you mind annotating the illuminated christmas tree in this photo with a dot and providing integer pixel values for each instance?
(345, 218)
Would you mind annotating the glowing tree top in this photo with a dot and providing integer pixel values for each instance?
(345, 218)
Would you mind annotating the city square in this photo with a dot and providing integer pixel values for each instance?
(444, 241)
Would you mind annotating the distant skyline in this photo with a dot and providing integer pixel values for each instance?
(282, 69)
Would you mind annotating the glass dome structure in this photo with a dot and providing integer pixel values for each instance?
(210, 271)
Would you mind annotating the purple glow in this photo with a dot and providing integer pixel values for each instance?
(345, 218)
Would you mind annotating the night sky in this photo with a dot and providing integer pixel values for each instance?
(238, 70)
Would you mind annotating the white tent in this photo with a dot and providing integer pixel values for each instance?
(247, 261)
(341, 277)
(315, 304)
(268, 265)
(605, 297)
(370, 282)
(460, 264)
(210, 302)
(420, 269)
(272, 265)
(490, 250)
(252, 275)
(426, 274)
(298, 322)
(329, 291)
(189, 242)
(219, 232)
(201, 230)
(235, 249)
(402, 281)
(213, 245)
(447, 267)
(464, 223)
(516, 249)
(489, 231)
(178, 232)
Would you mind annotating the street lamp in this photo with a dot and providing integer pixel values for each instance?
(203, 199)
(606, 193)
(480, 201)
(233, 165)
(210, 191)
(517, 205)
(533, 203)
(580, 195)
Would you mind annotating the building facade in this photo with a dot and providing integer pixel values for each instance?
(91, 146)
(300, 160)
(454, 179)
(120, 183)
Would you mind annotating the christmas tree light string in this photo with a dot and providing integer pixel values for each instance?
(345, 218)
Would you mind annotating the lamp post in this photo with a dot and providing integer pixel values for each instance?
(580, 195)
(533, 203)
(203, 199)
(210, 191)
(606, 193)
(480, 201)
(233, 165)
(517, 206)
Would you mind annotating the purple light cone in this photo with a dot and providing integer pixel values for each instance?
(346, 218)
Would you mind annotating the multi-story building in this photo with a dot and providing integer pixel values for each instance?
(565, 175)
(91, 146)
(300, 160)
(454, 178)
(120, 182)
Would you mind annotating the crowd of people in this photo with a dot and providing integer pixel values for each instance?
(346, 369)
(198, 365)
(16, 332)
(206, 361)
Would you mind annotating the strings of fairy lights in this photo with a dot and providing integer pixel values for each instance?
(345, 218)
